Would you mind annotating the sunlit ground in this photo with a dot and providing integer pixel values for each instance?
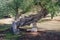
(46, 24)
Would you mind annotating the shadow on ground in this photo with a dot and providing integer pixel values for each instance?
(24, 35)
(49, 35)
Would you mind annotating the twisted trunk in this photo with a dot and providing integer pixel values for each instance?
(14, 25)
(27, 20)
(32, 18)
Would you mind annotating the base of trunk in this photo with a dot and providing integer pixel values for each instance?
(34, 30)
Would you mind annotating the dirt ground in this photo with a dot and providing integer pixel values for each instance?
(49, 24)
(46, 24)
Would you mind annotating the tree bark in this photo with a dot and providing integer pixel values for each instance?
(52, 15)
(14, 28)
(14, 25)
(34, 27)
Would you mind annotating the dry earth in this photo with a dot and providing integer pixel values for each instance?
(49, 24)
(6, 21)
(46, 25)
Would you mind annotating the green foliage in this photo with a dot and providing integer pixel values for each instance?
(5, 10)
(53, 6)
(9, 6)
(25, 5)
(4, 27)
(3, 7)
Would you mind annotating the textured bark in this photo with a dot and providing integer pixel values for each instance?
(14, 28)
(27, 20)
(34, 27)
(32, 18)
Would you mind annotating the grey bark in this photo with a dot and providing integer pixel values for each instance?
(27, 20)
(34, 27)
(14, 28)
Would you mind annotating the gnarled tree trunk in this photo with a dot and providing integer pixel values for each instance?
(27, 20)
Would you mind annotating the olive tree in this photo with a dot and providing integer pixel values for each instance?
(18, 7)
(52, 6)
(25, 5)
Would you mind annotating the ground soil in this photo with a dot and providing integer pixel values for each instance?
(51, 29)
